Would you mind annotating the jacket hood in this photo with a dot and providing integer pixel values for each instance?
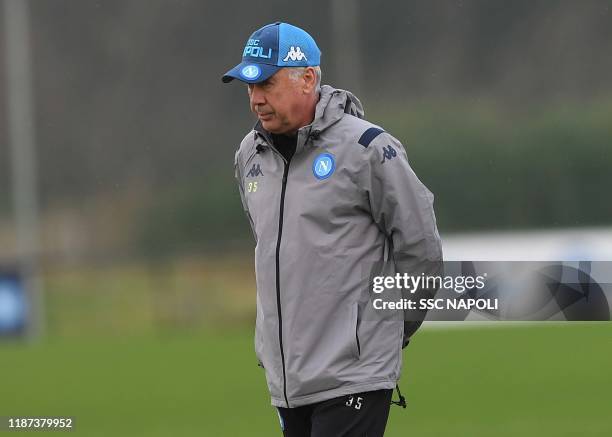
(332, 106)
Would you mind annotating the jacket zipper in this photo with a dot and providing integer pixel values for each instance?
(278, 243)
(278, 296)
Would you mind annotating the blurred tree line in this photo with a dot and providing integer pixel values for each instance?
(504, 107)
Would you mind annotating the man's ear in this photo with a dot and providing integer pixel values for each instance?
(310, 80)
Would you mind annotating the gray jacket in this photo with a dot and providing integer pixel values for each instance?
(345, 207)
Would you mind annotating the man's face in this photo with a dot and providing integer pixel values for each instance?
(279, 102)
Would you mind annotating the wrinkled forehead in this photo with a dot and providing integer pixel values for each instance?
(282, 76)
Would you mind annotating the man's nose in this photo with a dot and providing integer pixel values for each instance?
(257, 96)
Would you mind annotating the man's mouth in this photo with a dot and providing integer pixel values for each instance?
(265, 116)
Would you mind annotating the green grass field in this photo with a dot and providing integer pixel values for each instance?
(547, 380)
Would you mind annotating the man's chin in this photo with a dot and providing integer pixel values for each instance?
(270, 126)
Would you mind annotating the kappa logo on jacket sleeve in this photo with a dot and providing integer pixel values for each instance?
(388, 154)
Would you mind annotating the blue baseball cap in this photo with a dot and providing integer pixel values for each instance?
(271, 48)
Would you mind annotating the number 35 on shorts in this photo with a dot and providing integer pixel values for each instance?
(252, 187)
(354, 402)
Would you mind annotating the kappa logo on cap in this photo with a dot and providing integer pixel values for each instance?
(250, 72)
(295, 54)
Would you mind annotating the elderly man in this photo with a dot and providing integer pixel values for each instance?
(332, 202)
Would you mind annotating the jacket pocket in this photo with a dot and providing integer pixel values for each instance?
(259, 323)
(355, 320)
(259, 349)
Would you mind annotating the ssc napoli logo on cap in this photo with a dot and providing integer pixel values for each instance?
(323, 166)
(250, 72)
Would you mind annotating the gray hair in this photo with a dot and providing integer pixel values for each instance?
(296, 72)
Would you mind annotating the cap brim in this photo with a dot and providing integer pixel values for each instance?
(250, 72)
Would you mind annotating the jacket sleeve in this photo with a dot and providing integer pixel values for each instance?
(402, 207)
(239, 180)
